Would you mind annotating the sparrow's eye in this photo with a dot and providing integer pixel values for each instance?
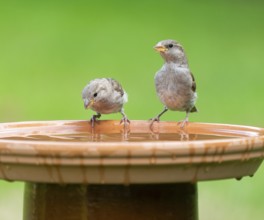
(170, 45)
(95, 94)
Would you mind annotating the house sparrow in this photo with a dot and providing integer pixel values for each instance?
(104, 96)
(175, 84)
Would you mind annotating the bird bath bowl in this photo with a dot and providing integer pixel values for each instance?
(75, 172)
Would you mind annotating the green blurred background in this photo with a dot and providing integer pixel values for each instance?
(49, 50)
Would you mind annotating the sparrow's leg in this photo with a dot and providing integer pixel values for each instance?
(94, 118)
(124, 119)
(157, 118)
(185, 121)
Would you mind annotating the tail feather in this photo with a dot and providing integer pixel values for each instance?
(194, 109)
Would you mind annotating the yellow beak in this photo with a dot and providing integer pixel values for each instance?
(160, 48)
(88, 103)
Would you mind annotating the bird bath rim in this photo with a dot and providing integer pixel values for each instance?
(238, 154)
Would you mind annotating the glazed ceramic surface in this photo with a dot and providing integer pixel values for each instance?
(72, 152)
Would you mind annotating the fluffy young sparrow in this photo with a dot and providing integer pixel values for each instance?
(104, 96)
(175, 84)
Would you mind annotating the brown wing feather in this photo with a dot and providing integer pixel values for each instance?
(194, 109)
(193, 83)
(116, 85)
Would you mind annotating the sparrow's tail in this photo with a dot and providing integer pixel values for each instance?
(194, 109)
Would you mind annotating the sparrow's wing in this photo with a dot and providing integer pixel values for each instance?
(194, 109)
(116, 85)
(193, 83)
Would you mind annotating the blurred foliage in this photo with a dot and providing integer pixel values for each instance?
(49, 50)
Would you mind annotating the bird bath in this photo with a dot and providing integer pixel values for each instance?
(75, 172)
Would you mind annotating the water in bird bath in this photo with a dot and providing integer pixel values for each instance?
(117, 137)
(112, 131)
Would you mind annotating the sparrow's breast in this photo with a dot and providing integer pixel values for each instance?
(110, 104)
(174, 89)
(106, 107)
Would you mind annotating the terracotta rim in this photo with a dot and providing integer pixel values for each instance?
(238, 155)
(245, 140)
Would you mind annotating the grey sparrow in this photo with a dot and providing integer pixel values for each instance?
(105, 96)
(175, 84)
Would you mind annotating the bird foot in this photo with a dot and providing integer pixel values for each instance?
(125, 120)
(152, 120)
(183, 123)
(93, 120)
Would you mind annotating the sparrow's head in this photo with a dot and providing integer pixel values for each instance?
(94, 92)
(171, 51)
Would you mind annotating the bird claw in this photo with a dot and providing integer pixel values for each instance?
(183, 123)
(157, 118)
(152, 120)
(125, 120)
(93, 120)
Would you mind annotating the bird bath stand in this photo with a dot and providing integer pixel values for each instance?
(75, 173)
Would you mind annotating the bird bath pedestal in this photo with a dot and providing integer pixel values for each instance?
(73, 172)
